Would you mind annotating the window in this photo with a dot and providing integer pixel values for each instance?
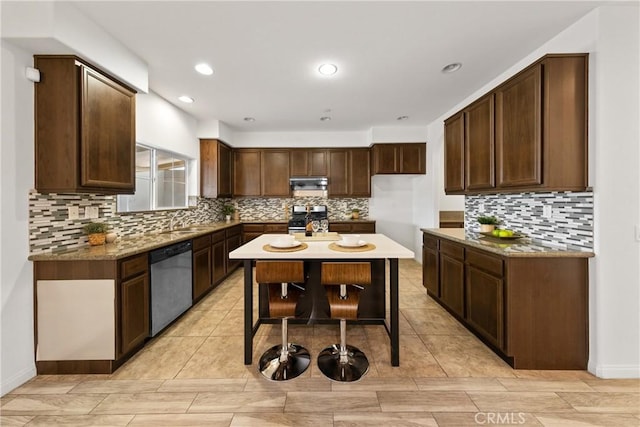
(161, 182)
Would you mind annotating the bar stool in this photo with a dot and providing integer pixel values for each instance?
(343, 282)
(285, 361)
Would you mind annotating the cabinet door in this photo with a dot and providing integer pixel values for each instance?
(518, 130)
(219, 260)
(225, 170)
(233, 242)
(385, 159)
(308, 162)
(485, 303)
(413, 158)
(246, 172)
(215, 169)
(201, 272)
(454, 154)
(107, 142)
(338, 173)
(134, 294)
(275, 173)
(430, 265)
(359, 172)
(452, 283)
(340, 227)
(479, 144)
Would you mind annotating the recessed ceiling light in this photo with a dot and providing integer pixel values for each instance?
(403, 118)
(328, 69)
(204, 69)
(325, 118)
(249, 119)
(451, 68)
(186, 99)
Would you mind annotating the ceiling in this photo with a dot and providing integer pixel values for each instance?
(389, 55)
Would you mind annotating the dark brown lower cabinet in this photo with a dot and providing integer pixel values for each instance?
(135, 312)
(219, 256)
(452, 277)
(202, 271)
(233, 241)
(531, 310)
(485, 302)
(430, 265)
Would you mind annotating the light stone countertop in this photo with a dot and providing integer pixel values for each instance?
(385, 248)
(128, 246)
(524, 247)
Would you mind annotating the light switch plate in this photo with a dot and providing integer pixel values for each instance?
(637, 233)
(91, 212)
(547, 211)
(73, 212)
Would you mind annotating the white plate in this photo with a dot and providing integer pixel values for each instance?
(282, 245)
(351, 245)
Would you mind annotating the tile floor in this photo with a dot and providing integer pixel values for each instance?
(193, 375)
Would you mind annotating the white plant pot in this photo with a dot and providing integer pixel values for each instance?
(487, 228)
(228, 218)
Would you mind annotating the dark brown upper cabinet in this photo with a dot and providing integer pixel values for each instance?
(400, 158)
(275, 173)
(308, 162)
(454, 154)
(528, 134)
(349, 172)
(479, 144)
(247, 172)
(84, 129)
(216, 160)
(261, 172)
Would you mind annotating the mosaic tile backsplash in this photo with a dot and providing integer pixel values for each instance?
(51, 230)
(570, 224)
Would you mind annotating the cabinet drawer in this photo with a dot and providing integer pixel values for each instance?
(201, 242)
(340, 227)
(430, 242)
(453, 250)
(485, 262)
(134, 265)
(276, 228)
(253, 228)
(363, 228)
(218, 236)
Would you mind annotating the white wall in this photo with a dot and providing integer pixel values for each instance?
(615, 272)
(610, 35)
(60, 28)
(17, 163)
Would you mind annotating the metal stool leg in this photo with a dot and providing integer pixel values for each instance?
(342, 362)
(284, 361)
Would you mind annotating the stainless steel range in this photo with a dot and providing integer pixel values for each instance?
(298, 219)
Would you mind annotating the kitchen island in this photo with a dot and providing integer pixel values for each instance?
(313, 254)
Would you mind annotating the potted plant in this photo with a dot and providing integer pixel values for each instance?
(227, 210)
(355, 213)
(96, 231)
(488, 223)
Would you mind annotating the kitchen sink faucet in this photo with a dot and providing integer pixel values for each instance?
(173, 220)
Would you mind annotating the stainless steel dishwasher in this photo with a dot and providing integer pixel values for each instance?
(171, 284)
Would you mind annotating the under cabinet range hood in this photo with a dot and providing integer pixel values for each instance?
(309, 187)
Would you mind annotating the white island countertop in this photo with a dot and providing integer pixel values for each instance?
(384, 248)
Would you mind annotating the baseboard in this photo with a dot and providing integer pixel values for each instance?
(616, 371)
(16, 380)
